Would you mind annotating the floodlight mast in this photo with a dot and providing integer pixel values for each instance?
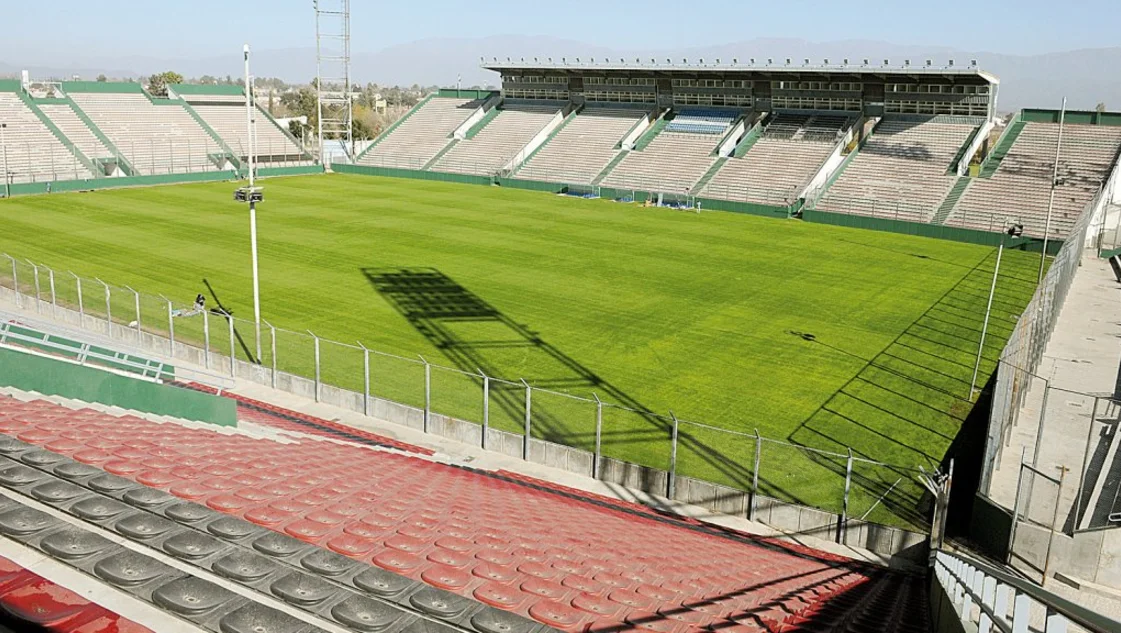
(252, 207)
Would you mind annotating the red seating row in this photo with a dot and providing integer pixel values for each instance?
(268, 414)
(38, 604)
(564, 561)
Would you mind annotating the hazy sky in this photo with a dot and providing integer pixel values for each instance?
(68, 31)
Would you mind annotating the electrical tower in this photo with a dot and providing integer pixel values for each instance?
(332, 56)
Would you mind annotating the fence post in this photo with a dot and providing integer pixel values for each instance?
(317, 374)
(365, 379)
(1085, 467)
(671, 483)
(35, 272)
(842, 525)
(54, 299)
(486, 407)
(81, 308)
(427, 392)
(170, 326)
(755, 477)
(15, 275)
(599, 437)
(206, 338)
(108, 309)
(233, 350)
(272, 347)
(136, 304)
(528, 418)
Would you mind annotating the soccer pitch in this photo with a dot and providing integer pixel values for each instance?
(816, 335)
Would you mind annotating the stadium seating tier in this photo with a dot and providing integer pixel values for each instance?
(1020, 189)
(901, 170)
(156, 139)
(421, 136)
(31, 152)
(551, 555)
(579, 152)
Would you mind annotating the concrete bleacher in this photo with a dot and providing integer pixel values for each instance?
(499, 141)
(781, 163)
(156, 139)
(673, 162)
(580, 151)
(31, 150)
(63, 116)
(901, 171)
(343, 534)
(421, 136)
(225, 114)
(1020, 189)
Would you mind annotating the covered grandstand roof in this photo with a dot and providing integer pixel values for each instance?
(756, 69)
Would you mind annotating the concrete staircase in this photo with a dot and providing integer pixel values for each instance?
(951, 201)
(1007, 140)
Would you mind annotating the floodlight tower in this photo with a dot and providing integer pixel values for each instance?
(332, 60)
(252, 194)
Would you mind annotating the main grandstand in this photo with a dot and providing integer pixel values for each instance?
(146, 461)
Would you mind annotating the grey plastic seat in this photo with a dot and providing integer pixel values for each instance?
(74, 544)
(191, 597)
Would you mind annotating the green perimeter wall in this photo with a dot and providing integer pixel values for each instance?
(48, 376)
(393, 172)
(102, 86)
(465, 94)
(208, 89)
(938, 231)
(1084, 117)
(61, 186)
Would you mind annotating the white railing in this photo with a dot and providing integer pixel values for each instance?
(985, 599)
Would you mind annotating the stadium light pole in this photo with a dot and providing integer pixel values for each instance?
(1054, 185)
(1015, 230)
(252, 207)
(4, 150)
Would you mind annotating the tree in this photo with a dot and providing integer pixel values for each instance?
(102, 79)
(1101, 107)
(157, 84)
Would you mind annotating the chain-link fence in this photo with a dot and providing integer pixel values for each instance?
(1022, 353)
(653, 451)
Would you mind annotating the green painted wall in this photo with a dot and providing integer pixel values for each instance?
(102, 86)
(1084, 117)
(48, 376)
(196, 89)
(954, 233)
(412, 173)
(60, 186)
(465, 94)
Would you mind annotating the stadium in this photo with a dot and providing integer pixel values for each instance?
(739, 346)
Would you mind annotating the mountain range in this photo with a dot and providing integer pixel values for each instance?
(1026, 80)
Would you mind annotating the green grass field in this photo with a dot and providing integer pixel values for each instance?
(701, 314)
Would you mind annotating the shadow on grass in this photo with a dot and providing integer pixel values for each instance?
(913, 398)
(475, 336)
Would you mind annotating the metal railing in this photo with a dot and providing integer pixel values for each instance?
(986, 599)
(88, 354)
(1023, 352)
(601, 423)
